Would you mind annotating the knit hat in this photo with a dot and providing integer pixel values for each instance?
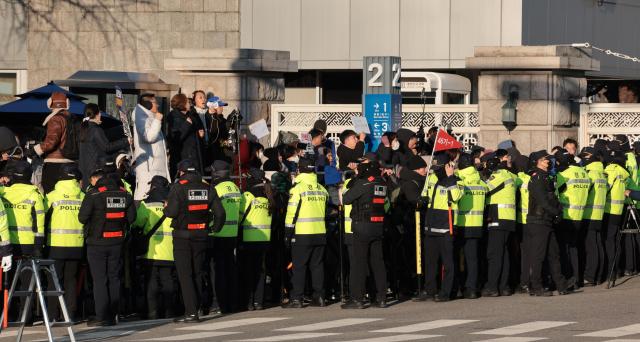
(416, 162)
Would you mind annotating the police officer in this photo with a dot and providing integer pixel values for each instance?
(5, 239)
(633, 182)
(305, 232)
(617, 178)
(159, 266)
(522, 184)
(65, 237)
(258, 204)
(367, 194)
(190, 204)
(470, 220)
(225, 242)
(25, 214)
(443, 193)
(593, 215)
(544, 208)
(106, 212)
(501, 218)
(572, 184)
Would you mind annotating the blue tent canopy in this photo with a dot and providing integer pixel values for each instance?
(32, 107)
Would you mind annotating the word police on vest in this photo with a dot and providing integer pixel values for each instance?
(116, 202)
(198, 195)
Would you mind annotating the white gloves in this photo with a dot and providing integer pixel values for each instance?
(6, 263)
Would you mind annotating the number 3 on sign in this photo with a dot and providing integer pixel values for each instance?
(375, 81)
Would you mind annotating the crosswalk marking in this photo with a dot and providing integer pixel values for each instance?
(290, 337)
(514, 339)
(194, 336)
(232, 324)
(523, 328)
(330, 324)
(615, 332)
(441, 323)
(395, 338)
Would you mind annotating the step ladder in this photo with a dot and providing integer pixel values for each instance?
(35, 267)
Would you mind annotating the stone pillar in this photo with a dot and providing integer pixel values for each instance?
(550, 81)
(248, 79)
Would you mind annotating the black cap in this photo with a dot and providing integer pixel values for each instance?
(256, 173)
(158, 181)
(625, 145)
(220, 165)
(535, 156)
(371, 169)
(487, 156)
(440, 159)
(20, 169)
(477, 148)
(614, 145)
(466, 160)
(501, 153)
(70, 171)
(186, 165)
(104, 166)
(370, 156)
(416, 162)
(306, 165)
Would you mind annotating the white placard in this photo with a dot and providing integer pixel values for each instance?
(259, 129)
(360, 124)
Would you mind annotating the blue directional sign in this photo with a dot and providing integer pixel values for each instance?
(382, 101)
(383, 113)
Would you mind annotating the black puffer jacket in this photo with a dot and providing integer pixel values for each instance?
(94, 145)
(184, 140)
(403, 154)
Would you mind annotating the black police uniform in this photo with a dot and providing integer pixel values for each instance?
(106, 212)
(190, 204)
(367, 195)
(543, 208)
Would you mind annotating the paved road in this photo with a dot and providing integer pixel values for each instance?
(597, 314)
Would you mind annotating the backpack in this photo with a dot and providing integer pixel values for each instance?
(70, 150)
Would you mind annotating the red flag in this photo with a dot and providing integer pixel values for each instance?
(445, 142)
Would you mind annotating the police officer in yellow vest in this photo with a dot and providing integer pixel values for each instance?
(522, 184)
(501, 218)
(159, 265)
(305, 232)
(593, 215)
(5, 238)
(107, 213)
(258, 205)
(225, 242)
(192, 205)
(470, 220)
(572, 184)
(617, 177)
(65, 237)
(25, 214)
(443, 192)
(633, 182)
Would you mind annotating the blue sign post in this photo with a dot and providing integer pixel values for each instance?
(382, 102)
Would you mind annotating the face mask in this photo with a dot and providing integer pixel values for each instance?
(395, 145)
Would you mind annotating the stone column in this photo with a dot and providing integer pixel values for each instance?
(550, 81)
(248, 79)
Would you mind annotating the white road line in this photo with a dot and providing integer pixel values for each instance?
(441, 323)
(624, 340)
(194, 336)
(92, 336)
(330, 324)
(615, 332)
(232, 324)
(523, 328)
(395, 338)
(290, 337)
(514, 339)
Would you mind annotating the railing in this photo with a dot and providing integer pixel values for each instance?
(604, 120)
(299, 119)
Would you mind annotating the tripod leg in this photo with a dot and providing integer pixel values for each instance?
(612, 272)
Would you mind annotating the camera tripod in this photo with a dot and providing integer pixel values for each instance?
(630, 225)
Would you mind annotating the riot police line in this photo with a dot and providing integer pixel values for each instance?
(400, 224)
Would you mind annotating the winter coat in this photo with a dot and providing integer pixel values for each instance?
(150, 151)
(55, 138)
(95, 146)
(183, 137)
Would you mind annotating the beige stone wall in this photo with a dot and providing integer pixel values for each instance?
(544, 114)
(124, 35)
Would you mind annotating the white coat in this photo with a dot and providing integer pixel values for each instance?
(150, 151)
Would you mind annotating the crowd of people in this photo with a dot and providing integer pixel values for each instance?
(199, 219)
